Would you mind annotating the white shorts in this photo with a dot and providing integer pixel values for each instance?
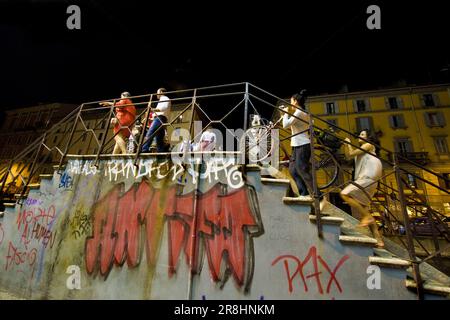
(369, 185)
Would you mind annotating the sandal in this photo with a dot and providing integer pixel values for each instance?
(380, 245)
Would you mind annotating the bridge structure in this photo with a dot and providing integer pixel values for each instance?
(221, 224)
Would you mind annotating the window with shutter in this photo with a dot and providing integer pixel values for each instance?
(361, 105)
(403, 145)
(331, 108)
(434, 119)
(393, 103)
(428, 100)
(436, 99)
(397, 121)
(445, 183)
(364, 123)
(440, 144)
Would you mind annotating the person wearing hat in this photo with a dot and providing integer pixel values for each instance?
(125, 116)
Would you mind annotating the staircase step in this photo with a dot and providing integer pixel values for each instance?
(275, 181)
(327, 220)
(365, 241)
(429, 288)
(46, 176)
(389, 262)
(34, 186)
(295, 200)
(253, 167)
(9, 204)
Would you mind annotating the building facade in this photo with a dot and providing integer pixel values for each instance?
(412, 122)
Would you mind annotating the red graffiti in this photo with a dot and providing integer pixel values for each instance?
(16, 257)
(225, 223)
(314, 259)
(2, 234)
(36, 224)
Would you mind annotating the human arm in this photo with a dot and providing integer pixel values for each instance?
(351, 152)
(298, 115)
(106, 103)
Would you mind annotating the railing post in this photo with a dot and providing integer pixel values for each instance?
(191, 121)
(33, 165)
(72, 132)
(246, 107)
(314, 180)
(5, 178)
(409, 236)
(105, 132)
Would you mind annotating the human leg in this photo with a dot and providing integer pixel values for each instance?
(160, 146)
(149, 136)
(293, 170)
(362, 210)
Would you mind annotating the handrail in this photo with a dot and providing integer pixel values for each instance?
(245, 95)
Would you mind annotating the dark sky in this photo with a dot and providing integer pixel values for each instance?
(280, 45)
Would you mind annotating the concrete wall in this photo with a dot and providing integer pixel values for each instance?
(138, 234)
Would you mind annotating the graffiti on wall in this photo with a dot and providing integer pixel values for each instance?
(2, 234)
(120, 169)
(221, 222)
(35, 223)
(66, 181)
(80, 223)
(295, 271)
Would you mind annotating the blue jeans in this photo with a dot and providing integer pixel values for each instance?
(299, 168)
(156, 124)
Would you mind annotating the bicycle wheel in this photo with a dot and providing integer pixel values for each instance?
(258, 143)
(326, 166)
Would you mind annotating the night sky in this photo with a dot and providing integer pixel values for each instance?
(281, 46)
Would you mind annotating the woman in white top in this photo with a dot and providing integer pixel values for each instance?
(368, 171)
(299, 164)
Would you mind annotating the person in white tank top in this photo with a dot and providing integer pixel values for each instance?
(368, 171)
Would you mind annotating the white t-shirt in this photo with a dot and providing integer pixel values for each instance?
(297, 126)
(163, 106)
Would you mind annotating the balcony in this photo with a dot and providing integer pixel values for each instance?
(417, 157)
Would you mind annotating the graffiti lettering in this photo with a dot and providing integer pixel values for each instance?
(225, 223)
(32, 202)
(299, 267)
(80, 224)
(124, 169)
(35, 224)
(66, 181)
(17, 257)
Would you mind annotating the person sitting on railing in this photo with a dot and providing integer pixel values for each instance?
(299, 164)
(125, 115)
(162, 112)
(368, 171)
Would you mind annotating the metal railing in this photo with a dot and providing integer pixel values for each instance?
(228, 107)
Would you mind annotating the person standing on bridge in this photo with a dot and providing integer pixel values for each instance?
(125, 115)
(299, 165)
(162, 112)
(368, 171)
